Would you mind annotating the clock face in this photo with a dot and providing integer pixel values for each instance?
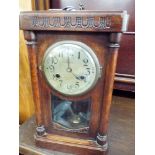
(71, 67)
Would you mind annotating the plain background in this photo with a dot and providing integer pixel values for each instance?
(145, 77)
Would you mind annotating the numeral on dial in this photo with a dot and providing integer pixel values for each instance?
(69, 86)
(60, 82)
(78, 55)
(73, 86)
(85, 62)
(77, 85)
(51, 67)
(88, 71)
(54, 77)
(61, 54)
(54, 60)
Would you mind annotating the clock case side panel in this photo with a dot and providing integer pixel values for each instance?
(44, 41)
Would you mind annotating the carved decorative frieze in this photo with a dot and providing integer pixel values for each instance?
(72, 22)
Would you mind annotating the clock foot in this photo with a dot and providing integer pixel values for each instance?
(102, 140)
(40, 130)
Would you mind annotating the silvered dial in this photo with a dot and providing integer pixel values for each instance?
(71, 67)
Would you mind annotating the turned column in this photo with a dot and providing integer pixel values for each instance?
(32, 53)
(108, 88)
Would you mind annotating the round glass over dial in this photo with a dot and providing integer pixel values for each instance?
(71, 67)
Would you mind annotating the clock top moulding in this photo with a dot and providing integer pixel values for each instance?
(87, 21)
(112, 23)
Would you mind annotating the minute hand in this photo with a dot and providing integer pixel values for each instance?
(68, 62)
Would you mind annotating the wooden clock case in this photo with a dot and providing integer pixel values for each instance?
(101, 31)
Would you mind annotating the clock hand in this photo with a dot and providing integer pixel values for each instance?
(77, 77)
(81, 77)
(70, 70)
(68, 61)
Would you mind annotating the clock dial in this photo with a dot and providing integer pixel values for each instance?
(71, 67)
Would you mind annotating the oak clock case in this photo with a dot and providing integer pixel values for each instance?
(72, 72)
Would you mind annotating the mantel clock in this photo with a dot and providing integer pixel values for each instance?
(73, 57)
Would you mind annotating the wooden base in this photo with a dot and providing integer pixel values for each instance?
(70, 145)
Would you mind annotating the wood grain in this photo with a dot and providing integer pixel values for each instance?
(109, 81)
(40, 4)
(26, 104)
(32, 50)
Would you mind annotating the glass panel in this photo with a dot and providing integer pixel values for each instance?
(71, 114)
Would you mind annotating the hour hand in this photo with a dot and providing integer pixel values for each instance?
(81, 77)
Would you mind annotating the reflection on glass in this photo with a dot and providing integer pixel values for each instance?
(71, 114)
